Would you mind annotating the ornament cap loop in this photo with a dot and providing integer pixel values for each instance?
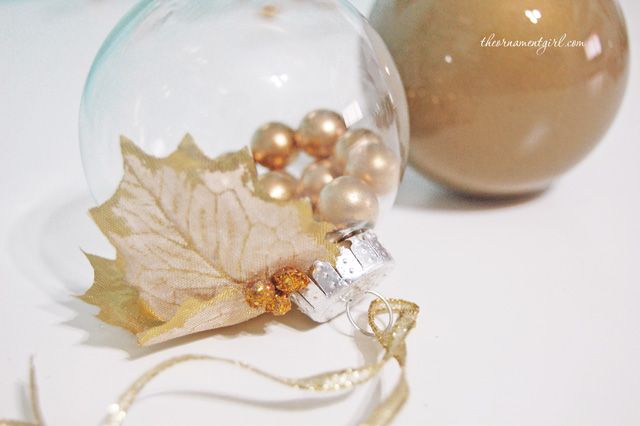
(386, 304)
(362, 263)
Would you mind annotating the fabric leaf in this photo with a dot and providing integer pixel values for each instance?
(190, 234)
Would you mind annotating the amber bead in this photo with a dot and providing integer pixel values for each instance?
(260, 294)
(290, 280)
(280, 305)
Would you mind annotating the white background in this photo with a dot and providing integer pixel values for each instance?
(530, 310)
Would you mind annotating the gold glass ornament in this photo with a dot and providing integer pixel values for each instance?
(314, 177)
(494, 120)
(319, 131)
(347, 201)
(346, 142)
(278, 185)
(273, 145)
(376, 165)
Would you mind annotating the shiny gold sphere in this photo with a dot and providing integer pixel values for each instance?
(376, 164)
(278, 185)
(347, 201)
(319, 131)
(494, 121)
(273, 145)
(314, 177)
(351, 139)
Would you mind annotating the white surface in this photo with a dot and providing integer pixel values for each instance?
(530, 310)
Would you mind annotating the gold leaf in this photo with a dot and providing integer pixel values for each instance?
(190, 234)
(120, 304)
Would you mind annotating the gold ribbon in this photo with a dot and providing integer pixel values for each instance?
(33, 398)
(392, 341)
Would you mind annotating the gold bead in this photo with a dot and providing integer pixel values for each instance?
(273, 146)
(347, 142)
(347, 201)
(280, 305)
(376, 164)
(278, 185)
(319, 131)
(314, 177)
(290, 280)
(260, 294)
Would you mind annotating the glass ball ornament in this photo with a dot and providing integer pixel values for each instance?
(287, 78)
(489, 118)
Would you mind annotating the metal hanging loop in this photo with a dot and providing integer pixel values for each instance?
(386, 304)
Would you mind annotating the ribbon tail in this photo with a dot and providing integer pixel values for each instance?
(33, 400)
(387, 410)
(324, 382)
(393, 343)
(33, 394)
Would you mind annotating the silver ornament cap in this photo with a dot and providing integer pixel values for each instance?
(361, 265)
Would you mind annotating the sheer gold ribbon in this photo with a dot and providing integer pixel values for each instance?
(392, 341)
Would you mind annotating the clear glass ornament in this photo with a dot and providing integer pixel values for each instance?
(220, 69)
